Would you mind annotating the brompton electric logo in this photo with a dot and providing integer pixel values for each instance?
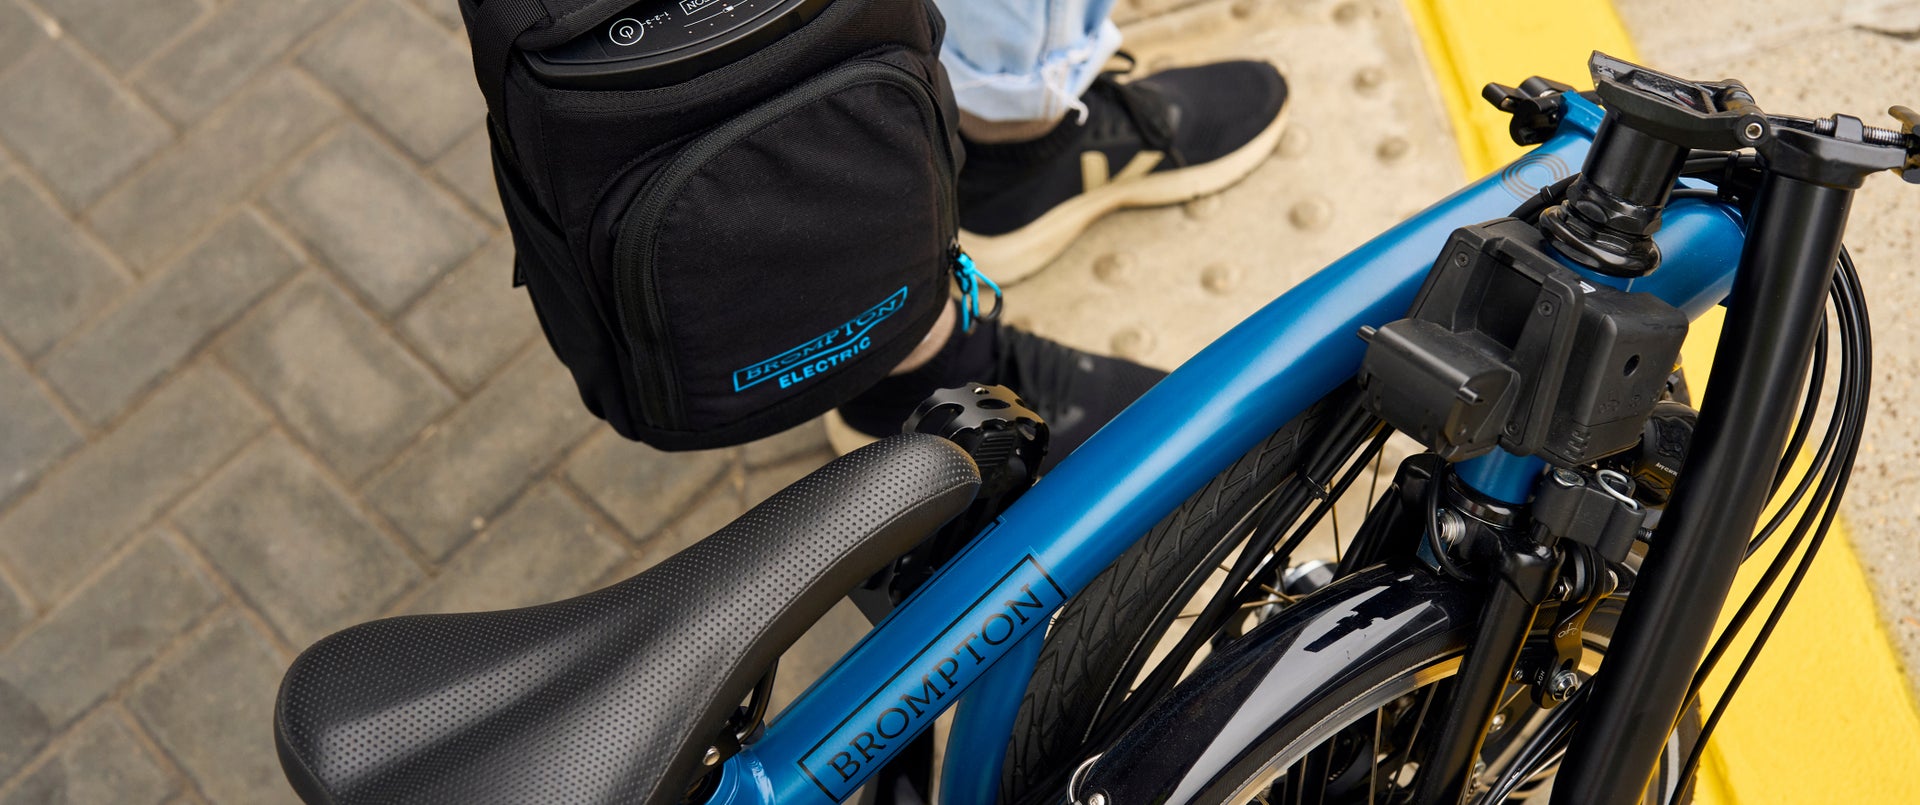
(823, 353)
(909, 701)
(690, 6)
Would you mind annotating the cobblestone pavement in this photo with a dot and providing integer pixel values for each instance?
(262, 375)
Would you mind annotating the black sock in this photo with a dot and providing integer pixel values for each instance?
(1076, 392)
(989, 157)
(965, 358)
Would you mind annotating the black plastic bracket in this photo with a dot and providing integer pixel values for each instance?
(1504, 346)
(1837, 152)
(1716, 115)
(1006, 439)
(1593, 510)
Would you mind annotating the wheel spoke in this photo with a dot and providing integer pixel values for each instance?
(1373, 486)
(1373, 758)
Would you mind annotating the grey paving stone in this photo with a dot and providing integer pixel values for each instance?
(23, 729)
(474, 320)
(14, 612)
(720, 506)
(53, 279)
(364, 209)
(73, 125)
(122, 33)
(33, 435)
(19, 32)
(808, 437)
(108, 630)
(95, 500)
(101, 369)
(545, 548)
(448, 14)
(207, 66)
(445, 487)
(102, 763)
(293, 543)
(350, 392)
(185, 189)
(210, 705)
(408, 74)
(641, 487)
(467, 167)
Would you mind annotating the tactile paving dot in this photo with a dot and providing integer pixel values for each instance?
(1220, 278)
(1327, 191)
(1392, 148)
(1311, 213)
(1115, 269)
(1350, 13)
(1368, 79)
(1295, 141)
(1133, 342)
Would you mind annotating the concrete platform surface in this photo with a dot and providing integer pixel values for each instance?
(262, 375)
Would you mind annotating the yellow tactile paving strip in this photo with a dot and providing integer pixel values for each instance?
(1825, 716)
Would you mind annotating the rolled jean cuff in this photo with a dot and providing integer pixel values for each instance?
(1047, 93)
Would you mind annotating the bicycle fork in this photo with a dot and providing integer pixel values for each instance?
(1764, 352)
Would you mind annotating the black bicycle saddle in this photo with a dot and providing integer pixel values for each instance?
(614, 696)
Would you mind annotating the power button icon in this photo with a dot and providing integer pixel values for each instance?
(627, 32)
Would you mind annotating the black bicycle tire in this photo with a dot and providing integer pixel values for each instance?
(1097, 633)
(1433, 652)
(1131, 604)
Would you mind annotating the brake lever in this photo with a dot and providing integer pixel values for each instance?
(1585, 582)
(1569, 643)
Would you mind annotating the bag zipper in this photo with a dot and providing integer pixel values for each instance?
(636, 291)
(969, 277)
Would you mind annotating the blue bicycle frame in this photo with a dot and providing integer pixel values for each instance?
(976, 627)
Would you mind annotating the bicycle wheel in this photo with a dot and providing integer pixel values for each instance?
(1105, 635)
(1104, 638)
(1359, 750)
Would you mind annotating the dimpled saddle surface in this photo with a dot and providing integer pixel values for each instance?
(611, 697)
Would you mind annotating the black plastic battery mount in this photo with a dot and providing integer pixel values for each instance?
(655, 43)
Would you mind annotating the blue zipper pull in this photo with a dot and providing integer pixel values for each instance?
(969, 278)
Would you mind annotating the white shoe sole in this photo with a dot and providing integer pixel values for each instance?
(1018, 254)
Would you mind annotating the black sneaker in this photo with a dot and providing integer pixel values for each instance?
(1075, 392)
(1164, 139)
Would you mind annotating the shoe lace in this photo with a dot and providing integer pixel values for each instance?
(1150, 114)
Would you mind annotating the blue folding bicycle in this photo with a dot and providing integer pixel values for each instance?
(1571, 506)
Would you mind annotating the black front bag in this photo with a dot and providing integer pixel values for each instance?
(722, 258)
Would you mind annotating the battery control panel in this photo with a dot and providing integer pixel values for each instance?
(659, 42)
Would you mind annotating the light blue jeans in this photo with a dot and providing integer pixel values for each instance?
(1025, 60)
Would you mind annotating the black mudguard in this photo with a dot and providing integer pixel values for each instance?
(1200, 742)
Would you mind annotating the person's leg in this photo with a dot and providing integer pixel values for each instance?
(1036, 176)
(1075, 391)
(1018, 66)
(1054, 142)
